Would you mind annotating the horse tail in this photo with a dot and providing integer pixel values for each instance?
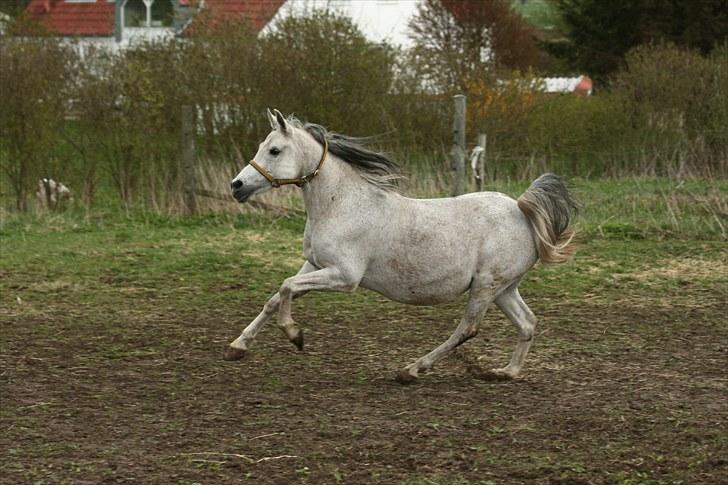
(550, 208)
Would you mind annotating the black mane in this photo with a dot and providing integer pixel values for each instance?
(374, 167)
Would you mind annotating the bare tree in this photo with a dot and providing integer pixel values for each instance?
(457, 41)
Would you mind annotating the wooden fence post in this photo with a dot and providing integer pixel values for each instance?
(188, 158)
(458, 147)
(483, 143)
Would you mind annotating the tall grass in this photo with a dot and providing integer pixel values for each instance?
(633, 207)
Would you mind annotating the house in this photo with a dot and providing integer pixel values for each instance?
(116, 23)
(580, 85)
(379, 20)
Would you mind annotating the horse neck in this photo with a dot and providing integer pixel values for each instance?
(336, 185)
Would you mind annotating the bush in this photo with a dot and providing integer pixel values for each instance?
(35, 82)
(678, 102)
(502, 110)
(322, 67)
(220, 68)
(665, 113)
(127, 121)
(569, 132)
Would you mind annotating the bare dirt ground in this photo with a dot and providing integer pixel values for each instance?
(627, 393)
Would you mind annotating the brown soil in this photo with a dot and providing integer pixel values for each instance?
(610, 394)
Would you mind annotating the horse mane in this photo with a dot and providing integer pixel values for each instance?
(374, 167)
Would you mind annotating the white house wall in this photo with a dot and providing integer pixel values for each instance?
(132, 35)
(379, 20)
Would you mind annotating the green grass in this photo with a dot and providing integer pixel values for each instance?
(633, 224)
(647, 208)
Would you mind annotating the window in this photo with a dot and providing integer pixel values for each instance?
(135, 14)
(149, 13)
(162, 13)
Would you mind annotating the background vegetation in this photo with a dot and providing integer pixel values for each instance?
(596, 36)
(108, 124)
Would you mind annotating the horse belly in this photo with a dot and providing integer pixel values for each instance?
(412, 284)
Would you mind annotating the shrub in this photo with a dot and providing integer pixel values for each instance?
(219, 70)
(664, 113)
(502, 110)
(34, 87)
(569, 133)
(678, 105)
(127, 120)
(322, 67)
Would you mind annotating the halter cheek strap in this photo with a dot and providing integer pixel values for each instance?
(300, 181)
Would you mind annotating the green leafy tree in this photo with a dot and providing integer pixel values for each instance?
(13, 7)
(598, 34)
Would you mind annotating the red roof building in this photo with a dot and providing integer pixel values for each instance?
(89, 18)
(257, 12)
(74, 19)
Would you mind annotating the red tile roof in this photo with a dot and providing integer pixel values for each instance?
(63, 18)
(258, 12)
(97, 18)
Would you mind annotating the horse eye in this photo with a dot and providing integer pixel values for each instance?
(274, 151)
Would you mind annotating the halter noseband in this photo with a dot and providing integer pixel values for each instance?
(300, 181)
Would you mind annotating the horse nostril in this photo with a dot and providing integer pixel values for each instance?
(236, 184)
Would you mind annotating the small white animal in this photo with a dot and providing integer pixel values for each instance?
(51, 193)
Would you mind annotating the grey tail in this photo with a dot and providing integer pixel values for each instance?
(550, 208)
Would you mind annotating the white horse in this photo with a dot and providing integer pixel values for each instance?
(361, 232)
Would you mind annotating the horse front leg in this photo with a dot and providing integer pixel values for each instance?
(237, 349)
(327, 279)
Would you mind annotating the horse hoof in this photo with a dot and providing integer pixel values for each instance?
(404, 377)
(298, 340)
(497, 375)
(231, 353)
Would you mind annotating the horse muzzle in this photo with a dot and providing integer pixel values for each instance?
(240, 192)
(241, 196)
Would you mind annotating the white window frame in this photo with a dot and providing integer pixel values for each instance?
(147, 4)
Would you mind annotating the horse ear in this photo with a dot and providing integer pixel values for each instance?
(281, 121)
(272, 120)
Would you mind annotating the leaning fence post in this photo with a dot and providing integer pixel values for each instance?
(188, 159)
(483, 143)
(458, 147)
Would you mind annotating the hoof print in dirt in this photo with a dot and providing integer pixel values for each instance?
(495, 375)
(404, 377)
(231, 353)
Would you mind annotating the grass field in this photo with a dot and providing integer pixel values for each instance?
(112, 329)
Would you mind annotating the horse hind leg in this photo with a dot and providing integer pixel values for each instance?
(477, 305)
(511, 303)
